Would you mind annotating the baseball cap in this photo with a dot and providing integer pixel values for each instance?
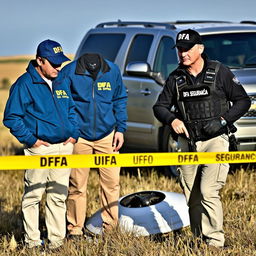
(187, 39)
(52, 51)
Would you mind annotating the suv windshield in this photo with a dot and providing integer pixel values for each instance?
(235, 50)
(107, 45)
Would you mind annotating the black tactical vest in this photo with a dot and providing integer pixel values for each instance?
(199, 103)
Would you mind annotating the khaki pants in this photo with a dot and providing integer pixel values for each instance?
(55, 183)
(109, 187)
(201, 185)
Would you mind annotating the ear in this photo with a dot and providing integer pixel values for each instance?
(201, 48)
(39, 61)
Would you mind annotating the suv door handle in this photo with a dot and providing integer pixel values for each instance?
(145, 92)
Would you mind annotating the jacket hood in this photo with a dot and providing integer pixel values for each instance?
(81, 65)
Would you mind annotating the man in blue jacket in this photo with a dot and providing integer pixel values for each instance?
(100, 97)
(41, 114)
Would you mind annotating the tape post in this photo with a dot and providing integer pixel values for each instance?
(124, 160)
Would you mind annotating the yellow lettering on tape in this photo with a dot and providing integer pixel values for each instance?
(143, 159)
(104, 160)
(227, 157)
(53, 161)
(188, 159)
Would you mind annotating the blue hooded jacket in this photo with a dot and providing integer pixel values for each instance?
(34, 112)
(100, 103)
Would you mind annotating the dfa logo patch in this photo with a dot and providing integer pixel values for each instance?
(57, 49)
(183, 37)
(61, 94)
(104, 86)
(197, 92)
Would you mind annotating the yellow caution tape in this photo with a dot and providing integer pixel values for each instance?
(124, 160)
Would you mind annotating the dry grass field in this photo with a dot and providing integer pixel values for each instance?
(8, 143)
(14, 66)
(238, 197)
(239, 204)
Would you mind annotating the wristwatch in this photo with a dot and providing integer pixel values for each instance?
(223, 122)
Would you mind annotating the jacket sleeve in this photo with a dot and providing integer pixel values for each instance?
(236, 94)
(14, 113)
(120, 103)
(164, 103)
(73, 118)
(72, 115)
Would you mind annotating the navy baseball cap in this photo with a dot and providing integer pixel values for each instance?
(187, 39)
(52, 51)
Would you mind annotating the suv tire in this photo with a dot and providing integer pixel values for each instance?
(168, 143)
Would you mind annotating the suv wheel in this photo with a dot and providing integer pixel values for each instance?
(168, 144)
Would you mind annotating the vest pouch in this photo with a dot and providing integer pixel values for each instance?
(213, 128)
(197, 130)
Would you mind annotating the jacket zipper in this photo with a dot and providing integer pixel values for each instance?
(94, 107)
(94, 104)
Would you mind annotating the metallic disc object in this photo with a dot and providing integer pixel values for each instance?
(147, 213)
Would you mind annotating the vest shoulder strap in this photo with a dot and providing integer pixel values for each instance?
(181, 82)
(211, 72)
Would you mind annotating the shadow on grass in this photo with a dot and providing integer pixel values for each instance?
(11, 223)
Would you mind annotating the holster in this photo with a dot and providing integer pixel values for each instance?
(191, 145)
(232, 143)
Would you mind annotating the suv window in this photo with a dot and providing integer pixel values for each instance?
(139, 48)
(107, 45)
(166, 57)
(234, 50)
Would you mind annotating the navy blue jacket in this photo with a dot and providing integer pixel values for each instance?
(34, 112)
(100, 104)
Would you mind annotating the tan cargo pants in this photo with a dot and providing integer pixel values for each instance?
(108, 191)
(201, 185)
(55, 183)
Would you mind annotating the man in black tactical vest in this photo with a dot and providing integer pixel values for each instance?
(201, 91)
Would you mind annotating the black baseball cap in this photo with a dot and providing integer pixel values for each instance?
(52, 51)
(187, 39)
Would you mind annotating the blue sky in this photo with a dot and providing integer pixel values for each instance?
(25, 23)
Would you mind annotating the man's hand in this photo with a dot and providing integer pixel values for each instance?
(71, 140)
(39, 143)
(118, 141)
(179, 127)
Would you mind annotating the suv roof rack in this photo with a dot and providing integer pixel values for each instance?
(248, 22)
(198, 21)
(120, 23)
